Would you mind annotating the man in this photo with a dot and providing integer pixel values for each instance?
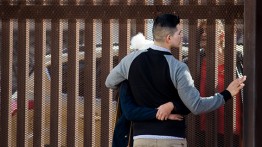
(129, 111)
(155, 77)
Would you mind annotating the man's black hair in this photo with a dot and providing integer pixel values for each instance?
(166, 20)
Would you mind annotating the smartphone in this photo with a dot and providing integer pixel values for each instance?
(239, 70)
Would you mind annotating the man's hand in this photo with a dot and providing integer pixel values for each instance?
(175, 117)
(235, 86)
(164, 111)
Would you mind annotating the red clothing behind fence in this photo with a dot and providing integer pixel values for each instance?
(220, 111)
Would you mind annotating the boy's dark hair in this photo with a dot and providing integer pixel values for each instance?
(167, 20)
(166, 23)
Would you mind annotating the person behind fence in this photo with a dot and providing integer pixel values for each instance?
(201, 73)
(220, 47)
(156, 77)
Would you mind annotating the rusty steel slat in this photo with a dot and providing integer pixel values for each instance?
(40, 2)
(193, 2)
(6, 2)
(90, 83)
(124, 37)
(138, 2)
(22, 82)
(56, 80)
(73, 2)
(229, 72)
(211, 76)
(140, 26)
(123, 2)
(140, 23)
(252, 58)
(106, 94)
(57, 2)
(194, 70)
(229, 2)
(89, 2)
(158, 2)
(176, 2)
(39, 83)
(211, 2)
(6, 82)
(73, 82)
(258, 112)
(194, 52)
(130, 11)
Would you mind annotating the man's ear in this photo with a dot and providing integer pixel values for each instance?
(168, 38)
